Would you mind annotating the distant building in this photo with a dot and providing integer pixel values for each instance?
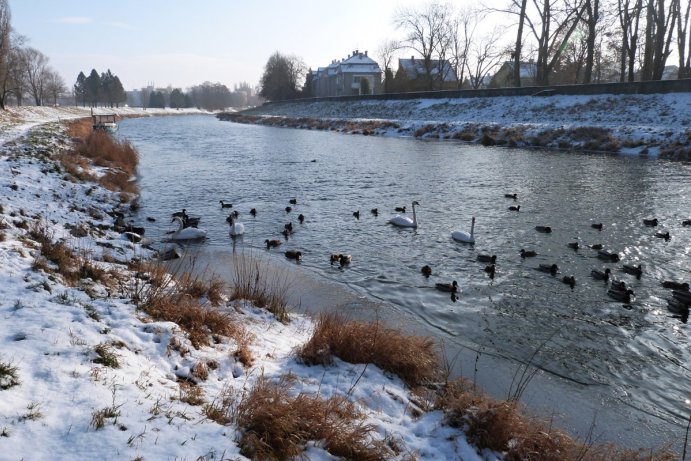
(504, 76)
(357, 74)
(413, 74)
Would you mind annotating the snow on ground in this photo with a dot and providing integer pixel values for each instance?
(647, 124)
(15, 121)
(50, 333)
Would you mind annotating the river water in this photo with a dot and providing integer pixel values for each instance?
(625, 366)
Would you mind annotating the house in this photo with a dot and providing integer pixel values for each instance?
(357, 74)
(504, 76)
(413, 74)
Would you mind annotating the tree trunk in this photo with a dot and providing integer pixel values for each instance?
(649, 46)
(593, 11)
(519, 46)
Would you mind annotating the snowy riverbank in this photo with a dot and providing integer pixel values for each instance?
(86, 374)
(657, 124)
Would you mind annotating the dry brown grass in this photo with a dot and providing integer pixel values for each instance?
(505, 427)
(191, 302)
(252, 281)
(276, 425)
(80, 128)
(415, 359)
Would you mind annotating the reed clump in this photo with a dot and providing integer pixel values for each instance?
(277, 426)
(415, 359)
(253, 281)
(504, 426)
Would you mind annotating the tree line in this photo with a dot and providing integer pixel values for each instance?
(104, 89)
(560, 41)
(208, 96)
(24, 71)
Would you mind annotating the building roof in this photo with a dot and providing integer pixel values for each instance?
(528, 69)
(416, 67)
(359, 63)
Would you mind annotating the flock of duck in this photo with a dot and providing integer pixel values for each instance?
(678, 304)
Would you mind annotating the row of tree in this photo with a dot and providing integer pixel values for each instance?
(24, 71)
(208, 96)
(569, 41)
(104, 89)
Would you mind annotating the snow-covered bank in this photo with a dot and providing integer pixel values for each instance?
(16, 121)
(657, 124)
(86, 374)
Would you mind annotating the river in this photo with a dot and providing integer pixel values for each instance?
(624, 366)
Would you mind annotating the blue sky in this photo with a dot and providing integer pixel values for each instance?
(183, 43)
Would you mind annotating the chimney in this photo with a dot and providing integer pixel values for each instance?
(365, 52)
(412, 58)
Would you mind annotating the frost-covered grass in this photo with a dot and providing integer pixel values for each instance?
(656, 124)
(107, 355)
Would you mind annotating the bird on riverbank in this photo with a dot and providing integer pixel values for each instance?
(272, 243)
(463, 236)
(528, 253)
(600, 275)
(515, 208)
(292, 254)
(186, 233)
(404, 221)
(447, 287)
(426, 270)
(225, 205)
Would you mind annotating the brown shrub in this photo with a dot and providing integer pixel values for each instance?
(415, 359)
(277, 426)
(105, 151)
(503, 426)
(254, 282)
(80, 128)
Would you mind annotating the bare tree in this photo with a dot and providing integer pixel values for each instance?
(386, 52)
(462, 31)
(485, 55)
(519, 44)
(427, 32)
(54, 86)
(659, 29)
(682, 30)
(592, 18)
(629, 19)
(36, 70)
(5, 49)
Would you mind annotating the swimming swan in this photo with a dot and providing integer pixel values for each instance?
(186, 233)
(462, 236)
(236, 228)
(404, 221)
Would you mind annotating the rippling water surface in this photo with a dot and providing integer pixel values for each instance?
(641, 353)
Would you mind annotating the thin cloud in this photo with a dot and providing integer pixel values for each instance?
(75, 20)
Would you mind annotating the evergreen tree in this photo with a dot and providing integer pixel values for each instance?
(93, 88)
(177, 99)
(106, 92)
(119, 94)
(80, 90)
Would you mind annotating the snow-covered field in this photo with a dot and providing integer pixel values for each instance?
(60, 396)
(631, 124)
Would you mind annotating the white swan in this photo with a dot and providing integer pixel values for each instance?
(463, 236)
(236, 228)
(404, 221)
(186, 233)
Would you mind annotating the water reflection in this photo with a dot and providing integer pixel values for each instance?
(193, 162)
